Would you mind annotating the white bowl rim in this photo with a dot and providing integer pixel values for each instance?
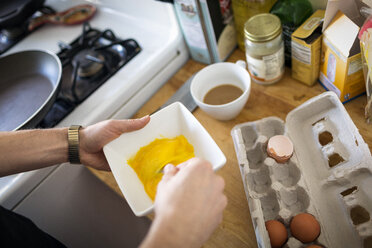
(215, 106)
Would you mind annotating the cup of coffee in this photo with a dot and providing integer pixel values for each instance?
(222, 89)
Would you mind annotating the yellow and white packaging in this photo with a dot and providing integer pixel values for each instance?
(306, 46)
(341, 64)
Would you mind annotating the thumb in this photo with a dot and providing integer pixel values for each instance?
(169, 171)
(133, 124)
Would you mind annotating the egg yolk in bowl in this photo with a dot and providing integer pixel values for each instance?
(150, 160)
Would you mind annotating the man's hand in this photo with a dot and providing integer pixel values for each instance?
(188, 205)
(94, 137)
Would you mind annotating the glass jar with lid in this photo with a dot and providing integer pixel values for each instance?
(264, 48)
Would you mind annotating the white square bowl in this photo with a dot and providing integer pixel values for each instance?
(169, 122)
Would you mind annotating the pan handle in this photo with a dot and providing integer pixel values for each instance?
(16, 12)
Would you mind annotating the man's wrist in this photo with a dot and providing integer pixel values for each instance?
(164, 232)
(51, 146)
(59, 146)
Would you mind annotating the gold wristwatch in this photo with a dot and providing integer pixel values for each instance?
(73, 144)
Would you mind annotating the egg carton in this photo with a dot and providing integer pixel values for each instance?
(328, 176)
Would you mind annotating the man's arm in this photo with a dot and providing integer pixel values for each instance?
(32, 149)
(27, 150)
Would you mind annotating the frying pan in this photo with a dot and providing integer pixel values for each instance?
(29, 83)
(14, 12)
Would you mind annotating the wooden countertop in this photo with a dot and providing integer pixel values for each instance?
(278, 99)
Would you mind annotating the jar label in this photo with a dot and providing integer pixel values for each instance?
(268, 67)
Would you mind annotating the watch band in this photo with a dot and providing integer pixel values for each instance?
(73, 144)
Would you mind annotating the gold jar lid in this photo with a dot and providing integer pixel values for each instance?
(262, 27)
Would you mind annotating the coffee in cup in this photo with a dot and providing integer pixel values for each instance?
(222, 89)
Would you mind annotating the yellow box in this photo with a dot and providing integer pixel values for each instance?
(306, 46)
(341, 65)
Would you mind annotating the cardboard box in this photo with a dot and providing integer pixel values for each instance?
(208, 28)
(306, 46)
(341, 65)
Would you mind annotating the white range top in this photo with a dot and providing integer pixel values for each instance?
(152, 24)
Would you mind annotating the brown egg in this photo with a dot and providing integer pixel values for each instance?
(305, 227)
(280, 148)
(314, 246)
(277, 233)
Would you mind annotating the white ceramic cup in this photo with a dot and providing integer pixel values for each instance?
(219, 74)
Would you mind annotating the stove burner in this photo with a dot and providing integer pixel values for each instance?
(89, 63)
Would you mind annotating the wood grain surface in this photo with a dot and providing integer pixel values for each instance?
(278, 99)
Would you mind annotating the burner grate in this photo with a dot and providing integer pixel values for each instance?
(88, 62)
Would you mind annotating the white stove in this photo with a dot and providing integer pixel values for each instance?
(154, 26)
(151, 23)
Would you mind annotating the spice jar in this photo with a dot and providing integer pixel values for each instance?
(264, 48)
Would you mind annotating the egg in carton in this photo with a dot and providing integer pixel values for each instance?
(328, 176)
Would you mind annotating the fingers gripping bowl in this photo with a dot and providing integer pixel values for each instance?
(169, 122)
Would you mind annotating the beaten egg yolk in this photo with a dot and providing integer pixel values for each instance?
(150, 159)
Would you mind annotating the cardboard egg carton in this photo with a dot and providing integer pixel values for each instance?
(328, 176)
